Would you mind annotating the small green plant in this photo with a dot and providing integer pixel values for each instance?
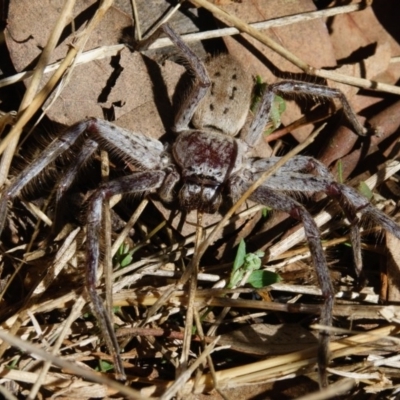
(123, 257)
(365, 190)
(247, 265)
(265, 211)
(14, 363)
(104, 366)
(277, 109)
(340, 171)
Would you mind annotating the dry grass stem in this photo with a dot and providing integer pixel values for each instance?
(69, 366)
(31, 90)
(271, 23)
(150, 296)
(337, 77)
(41, 97)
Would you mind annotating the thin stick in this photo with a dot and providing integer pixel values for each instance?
(83, 58)
(185, 376)
(192, 272)
(75, 313)
(63, 19)
(41, 97)
(332, 391)
(308, 69)
(302, 356)
(132, 221)
(271, 23)
(71, 366)
(107, 261)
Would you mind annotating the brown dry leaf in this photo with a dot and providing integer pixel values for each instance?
(391, 282)
(343, 139)
(385, 124)
(373, 25)
(128, 84)
(81, 96)
(265, 339)
(308, 40)
(352, 34)
(121, 85)
(133, 96)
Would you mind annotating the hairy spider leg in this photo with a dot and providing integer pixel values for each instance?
(144, 151)
(138, 182)
(57, 147)
(290, 179)
(285, 88)
(280, 201)
(87, 150)
(89, 146)
(128, 145)
(251, 136)
(199, 89)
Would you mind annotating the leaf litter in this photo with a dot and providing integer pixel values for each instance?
(123, 88)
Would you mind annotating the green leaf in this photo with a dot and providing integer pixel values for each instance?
(126, 260)
(13, 363)
(253, 261)
(235, 278)
(340, 171)
(265, 211)
(123, 257)
(240, 256)
(259, 89)
(259, 279)
(105, 366)
(365, 190)
(277, 109)
(278, 104)
(249, 265)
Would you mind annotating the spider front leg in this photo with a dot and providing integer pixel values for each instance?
(137, 183)
(200, 88)
(128, 145)
(291, 178)
(57, 147)
(285, 203)
(88, 149)
(139, 149)
(284, 88)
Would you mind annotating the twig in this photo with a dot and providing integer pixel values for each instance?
(271, 23)
(65, 15)
(70, 366)
(41, 97)
(308, 69)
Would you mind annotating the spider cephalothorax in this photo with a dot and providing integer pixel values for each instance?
(207, 161)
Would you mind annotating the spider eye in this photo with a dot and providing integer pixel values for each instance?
(203, 198)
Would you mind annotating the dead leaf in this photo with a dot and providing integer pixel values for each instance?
(265, 339)
(308, 40)
(390, 290)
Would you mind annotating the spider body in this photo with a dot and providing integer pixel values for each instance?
(207, 161)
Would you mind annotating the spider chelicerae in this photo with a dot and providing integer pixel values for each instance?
(207, 162)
